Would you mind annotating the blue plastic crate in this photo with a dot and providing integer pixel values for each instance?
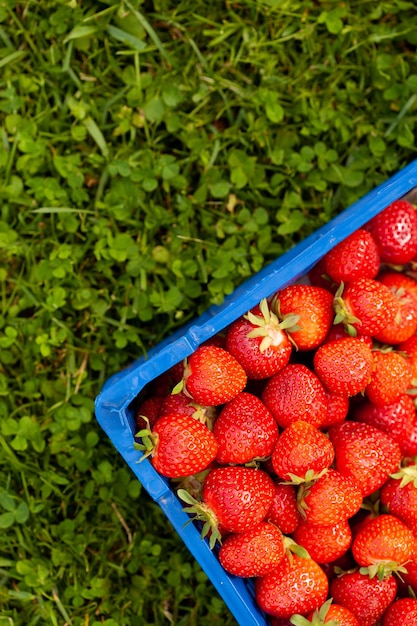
(114, 405)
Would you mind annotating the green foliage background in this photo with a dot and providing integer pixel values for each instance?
(153, 156)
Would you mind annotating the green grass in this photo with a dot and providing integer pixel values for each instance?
(153, 156)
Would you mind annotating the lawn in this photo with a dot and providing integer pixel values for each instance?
(153, 156)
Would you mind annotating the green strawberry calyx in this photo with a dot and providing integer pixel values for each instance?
(199, 511)
(406, 475)
(342, 313)
(269, 327)
(149, 440)
(384, 569)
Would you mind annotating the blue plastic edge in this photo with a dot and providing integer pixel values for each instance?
(112, 403)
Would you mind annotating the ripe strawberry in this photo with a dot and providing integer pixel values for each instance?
(297, 585)
(213, 376)
(365, 305)
(338, 331)
(395, 232)
(344, 365)
(391, 377)
(283, 511)
(402, 611)
(404, 324)
(364, 453)
(409, 349)
(313, 307)
(234, 500)
(164, 383)
(399, 495)
(367, 598)
(301, 452)
(329, 499)
(149, 409)
(259, 342)
(328, 613)
(245, 430)
(254, 552)
(383, 544)
(179, 445)
(295, 393)
(409, 444)
(324, 544)
(181, 403)
(337, 409)
(357, 256)
(397, 418)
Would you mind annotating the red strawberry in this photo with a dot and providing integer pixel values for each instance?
(149, 409)
(163, 384)
(328, 613)
(259, 342)
(234, 499)
(324, 544)
(181, 403)
(213, 376)
(330, 499)
(254, 552)
(357, 256)
(338, 331)
(404, 324)
(383, 544)
(344, 365)
(297, 585)
(367, 598)
(365, 305)
(295, 393)
(301, 452)
(399, 495)
(409, 445)
(397, 419)
(409, 349)
(181, 445)
(402, 611)
(313, 307)
(391, 377)
(364, 453)
(245, 430)
(337, 409)
(283, 511)
(395, 232)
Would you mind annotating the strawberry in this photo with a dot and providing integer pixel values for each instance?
(149, 409)
(324, 544)
(337, 409)
(383, 545)
(344, 365)
(397, 418)
(409, 444)
(330, 499)
(357, 256)
(259, 342)
(283, 511)
(404, 324)
(399, 495)
(409, 349)
(364, 453)
(295, 393)
(391, 377)
(313, 307)
(181, 403)
(338, 331)
(245, 430)
(233, 499)
(367, 598)
(179, 445)
(365, 305)
(163, 384)
(402, 611)
(328, 613)
(297, 585)
(395, 232)
(254, 552)
(302, 452)
(213, 376)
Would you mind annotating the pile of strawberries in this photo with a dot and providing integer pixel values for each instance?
(291, 437)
